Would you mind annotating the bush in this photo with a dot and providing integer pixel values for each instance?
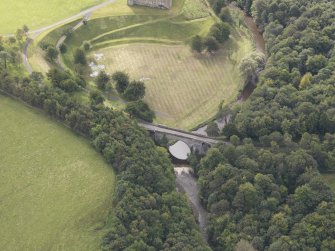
(122, 81)
(63, 48)
(140, 110)
(87, 45)
(212, 44)
(225, 15)
(221, 32)
(80, 57)
(102, 81)
(51, 53)
(96, 98)
(197, 44)
(212, 129)
(135, 91)
(44, 46)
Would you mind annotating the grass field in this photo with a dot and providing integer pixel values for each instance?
(55, 190)
(330, 179)
(37, 13)
(184, 89)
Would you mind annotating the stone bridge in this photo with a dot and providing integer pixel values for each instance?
(196, 142)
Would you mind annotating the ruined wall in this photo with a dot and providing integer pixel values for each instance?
(152, 3)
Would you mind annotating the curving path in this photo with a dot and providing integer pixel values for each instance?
(66, 20)
(33, 34)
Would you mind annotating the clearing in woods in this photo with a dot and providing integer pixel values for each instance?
(37, 13)
(183, 88)
(55, 190)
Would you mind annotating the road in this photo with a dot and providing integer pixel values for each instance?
(180, 133)
(86, 14)
(33, 34)
(36, 32)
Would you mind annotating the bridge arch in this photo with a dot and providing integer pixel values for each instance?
(180, 150)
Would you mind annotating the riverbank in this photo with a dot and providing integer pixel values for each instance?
(250, 87)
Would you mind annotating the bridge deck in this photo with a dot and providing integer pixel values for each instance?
(180, 133)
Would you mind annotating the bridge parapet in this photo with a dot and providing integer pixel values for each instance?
(196, 142)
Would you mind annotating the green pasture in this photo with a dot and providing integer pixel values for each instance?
(38, 13)
(55, 190)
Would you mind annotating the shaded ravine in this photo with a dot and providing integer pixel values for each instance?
(185, 178)
(187, 183)
(249, 88)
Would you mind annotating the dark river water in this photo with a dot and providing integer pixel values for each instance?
(248, 90)
(186, 181)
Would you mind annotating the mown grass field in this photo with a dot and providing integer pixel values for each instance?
(37, 13)
(183, 88)
(55, 190)
(330, 179)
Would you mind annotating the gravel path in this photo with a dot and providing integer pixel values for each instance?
(33, 34)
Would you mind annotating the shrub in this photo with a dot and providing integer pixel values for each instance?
(140, 110)
(122, 81)
(197, 44)
(80, 57)
(102, 81)
(135, 91)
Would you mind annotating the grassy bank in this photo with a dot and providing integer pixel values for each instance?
(55, 189)
(38, 13)
(183, 88)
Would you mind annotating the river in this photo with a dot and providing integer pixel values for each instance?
(248, 90)
(185, 178)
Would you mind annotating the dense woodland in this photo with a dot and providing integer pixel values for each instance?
(265, 187)
(148, 214)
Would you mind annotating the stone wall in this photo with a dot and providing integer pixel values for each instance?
(163, 4)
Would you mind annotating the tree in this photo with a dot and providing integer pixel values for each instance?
(225, 15)
(96, 98)
(211, 44)
(140, 110)
(244, 245)
(86, 45)
(4, 57)
(212, 129)
(19, 34)
(316, 63)
(102, 80)
(63, 48)
(251, 65)
(122, 81)
(80, 57)
(25, 29)
(12, 40)
(37, 76)
(51, 53)
(135, 91)
(197, 44)
(221, 32)
(69, 85)
(246, 198)
(305, 81)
